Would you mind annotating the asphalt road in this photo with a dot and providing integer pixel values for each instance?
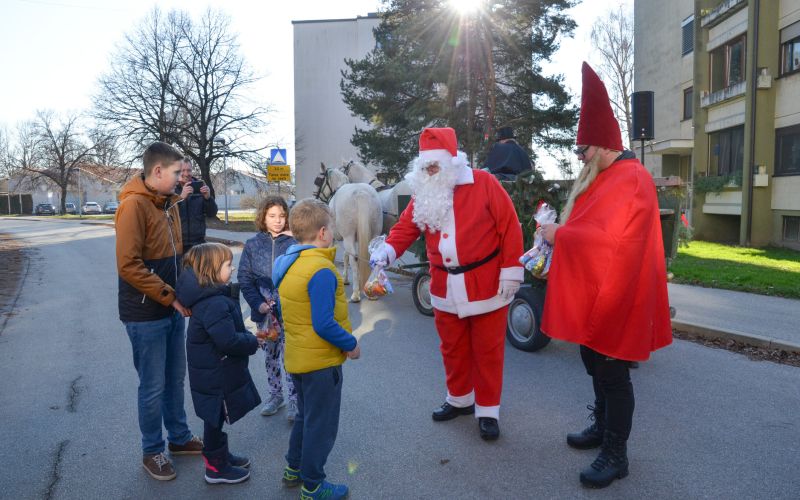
(708, 423)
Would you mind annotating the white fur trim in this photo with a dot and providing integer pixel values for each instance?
(513, 273)
(465, 309)
(487, 411)
(465, 176)
(447, 246)
(442, 156)
(461, 401)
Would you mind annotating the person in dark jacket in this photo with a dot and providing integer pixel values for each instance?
(194, 206)
(507, 159)
(255, 276)
(217, 348)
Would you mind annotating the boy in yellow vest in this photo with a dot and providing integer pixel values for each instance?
(318, 341)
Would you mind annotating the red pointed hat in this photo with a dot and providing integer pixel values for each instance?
(597, 125)
(438, 144)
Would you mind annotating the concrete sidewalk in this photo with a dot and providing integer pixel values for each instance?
(759, 320)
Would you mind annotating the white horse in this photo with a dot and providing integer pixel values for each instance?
(357, 220)
(357, 172)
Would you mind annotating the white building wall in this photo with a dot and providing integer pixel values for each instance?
(660, 67)
(323, 124)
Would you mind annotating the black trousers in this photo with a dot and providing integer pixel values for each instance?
(213, 437)
(613, 390)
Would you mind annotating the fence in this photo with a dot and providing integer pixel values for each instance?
(16, 204)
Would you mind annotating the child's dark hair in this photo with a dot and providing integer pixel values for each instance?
(264, 206)
(159, 152)
(206, 260)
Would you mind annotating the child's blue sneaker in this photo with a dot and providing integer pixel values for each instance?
(325, 490)
(291, 477)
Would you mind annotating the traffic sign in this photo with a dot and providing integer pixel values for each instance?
(277, 156)
(276, 173)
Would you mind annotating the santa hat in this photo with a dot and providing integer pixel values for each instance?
(597, 125)
(439, 145)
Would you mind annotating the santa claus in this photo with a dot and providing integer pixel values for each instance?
(607, 287)
(473, 241)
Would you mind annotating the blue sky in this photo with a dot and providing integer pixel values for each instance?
(54, 50)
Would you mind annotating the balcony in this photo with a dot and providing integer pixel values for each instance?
(735, 90)
(726, 8)
(728, 202)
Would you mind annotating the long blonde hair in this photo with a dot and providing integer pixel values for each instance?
(585, 179)
(206, 260)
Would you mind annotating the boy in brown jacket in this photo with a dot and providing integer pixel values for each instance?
(149, 252)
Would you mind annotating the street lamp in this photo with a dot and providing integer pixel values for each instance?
(221, 141)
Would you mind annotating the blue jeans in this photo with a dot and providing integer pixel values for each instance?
(319, 397)
(159, 355)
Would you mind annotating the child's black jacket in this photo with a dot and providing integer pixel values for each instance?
(217, 348)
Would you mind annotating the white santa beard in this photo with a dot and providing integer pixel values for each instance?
(433, 196)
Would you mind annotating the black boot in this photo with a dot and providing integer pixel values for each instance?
(592, 436)
(610, 464)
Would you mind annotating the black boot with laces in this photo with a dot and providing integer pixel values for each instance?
(610, 464)
(592, 436)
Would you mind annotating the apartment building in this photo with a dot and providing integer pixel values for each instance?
(323, 123)
(726, 77)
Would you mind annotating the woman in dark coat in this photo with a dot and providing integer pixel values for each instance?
(217, 348)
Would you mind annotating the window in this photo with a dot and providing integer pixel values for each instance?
(688, 103)
(728, 64)
(687, 29)
(790, 49)
(727, 151)
(791, 228)
(787, 150)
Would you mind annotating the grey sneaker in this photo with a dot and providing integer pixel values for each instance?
(291, 411)
(272, 406)
(158, 466)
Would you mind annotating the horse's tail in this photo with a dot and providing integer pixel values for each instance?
(364, 235)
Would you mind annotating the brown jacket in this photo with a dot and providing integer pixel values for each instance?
(149, 249)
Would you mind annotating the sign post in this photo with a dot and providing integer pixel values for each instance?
(277, 169)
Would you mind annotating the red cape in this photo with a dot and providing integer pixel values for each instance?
(607, 287)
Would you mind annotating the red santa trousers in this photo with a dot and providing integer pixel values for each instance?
(472, 350)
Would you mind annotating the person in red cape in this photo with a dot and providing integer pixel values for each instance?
(473, 241)
(607, 287)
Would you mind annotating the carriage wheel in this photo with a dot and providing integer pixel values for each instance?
(524, 315)
(421, 292)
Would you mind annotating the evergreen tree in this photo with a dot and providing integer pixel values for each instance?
(432, 66)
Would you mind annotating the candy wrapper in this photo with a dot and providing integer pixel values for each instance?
(270, 328)
(378, 284)
(537, 259)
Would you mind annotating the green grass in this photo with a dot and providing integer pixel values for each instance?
(766, 271)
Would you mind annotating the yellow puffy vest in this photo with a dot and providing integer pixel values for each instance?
(305, 350)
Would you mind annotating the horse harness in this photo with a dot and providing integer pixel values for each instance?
(378, 185)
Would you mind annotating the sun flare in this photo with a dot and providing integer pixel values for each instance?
(466, 6)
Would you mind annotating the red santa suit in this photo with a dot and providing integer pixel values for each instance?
(470, 316)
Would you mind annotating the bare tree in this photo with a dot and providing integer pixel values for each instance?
(183, 83)
(51, 149)
(612, 38)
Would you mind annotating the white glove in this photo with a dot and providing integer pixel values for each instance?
(508, 288)
(383, 256)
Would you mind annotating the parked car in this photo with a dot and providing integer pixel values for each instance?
(111, 207)
(45, 209)
(91, 207)
(70, 208)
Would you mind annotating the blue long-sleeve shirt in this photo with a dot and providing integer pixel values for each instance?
(322, 292)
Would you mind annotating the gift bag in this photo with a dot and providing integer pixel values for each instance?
(270, 325)
(537, 259)
(378, 284)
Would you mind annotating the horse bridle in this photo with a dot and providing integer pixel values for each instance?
(322, 182)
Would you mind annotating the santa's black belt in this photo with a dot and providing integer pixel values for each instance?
(469, 267)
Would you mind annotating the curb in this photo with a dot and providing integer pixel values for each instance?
(709, 332)
(230, 243)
